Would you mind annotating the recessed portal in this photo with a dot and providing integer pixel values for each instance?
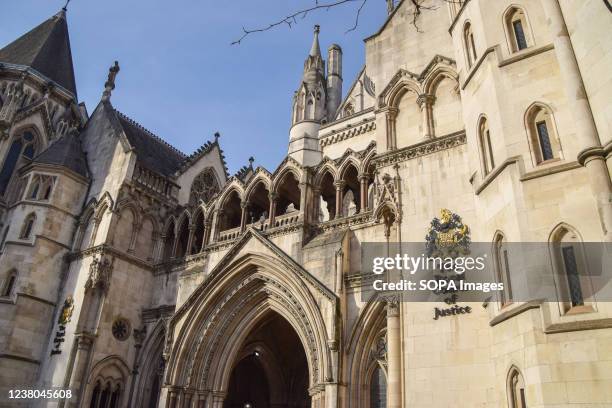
(271, 370)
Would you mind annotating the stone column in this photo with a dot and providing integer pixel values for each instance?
(191, 229)
(592, 155)
(218, 222)
(273, 197)
(390, 116)
(217, 399)
(426, 102)
(363, 193)
(243, 217)
(84, 343)
(394, 385)
(205, 233)
(339, 188)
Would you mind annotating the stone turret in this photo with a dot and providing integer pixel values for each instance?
(311, 102)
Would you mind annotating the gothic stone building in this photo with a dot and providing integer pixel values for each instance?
(138, 276)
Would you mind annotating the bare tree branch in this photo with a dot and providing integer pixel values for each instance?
(291, 19)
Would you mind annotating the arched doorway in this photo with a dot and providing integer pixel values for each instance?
(271, 369)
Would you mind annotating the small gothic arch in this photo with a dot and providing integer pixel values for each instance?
(25, 144)
(10, 282)
(469, 44)
(182, 234)
(517, 29)
(287, 189)
(169, 236)
(571, 269)
(107, 383)
(485, 146)
(27, 226)
(501, 261)
(542, 134)
(515, 389)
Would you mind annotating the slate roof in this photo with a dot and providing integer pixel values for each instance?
(65, 152)
(152, 151)
(46, 49)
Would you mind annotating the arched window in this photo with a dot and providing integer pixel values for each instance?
(23, 148)
(502, 268)
(378, 389)
(569, 263)
(517, 29)
(516, 389)
(542, 134)
(9, 283)
(107, 397)
(486, 148)
(204, 187)
(470, 44)
(40, 187)
(28, 225)
(169, 237)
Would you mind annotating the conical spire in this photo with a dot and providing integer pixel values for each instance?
(315, 50)
(46, 49)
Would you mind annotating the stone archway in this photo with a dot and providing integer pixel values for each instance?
(210, 334)
(271, 369)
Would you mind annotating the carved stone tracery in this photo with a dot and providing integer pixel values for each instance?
(204, 187)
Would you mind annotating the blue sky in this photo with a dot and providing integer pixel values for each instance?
(181, 78)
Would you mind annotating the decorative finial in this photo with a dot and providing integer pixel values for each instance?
(109, 85)
(65, 8)
(317, 28)
(251, 160)
(217, 136)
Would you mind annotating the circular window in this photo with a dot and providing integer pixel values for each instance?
(121, 329)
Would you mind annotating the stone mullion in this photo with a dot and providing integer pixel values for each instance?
(273, 202)
(243, 215)
(339, 188)
(394, 387)
(390, 116)
(363, 193)
(426, 102)
(192, 229)
(205, 233)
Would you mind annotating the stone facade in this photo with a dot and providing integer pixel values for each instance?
(138, 276)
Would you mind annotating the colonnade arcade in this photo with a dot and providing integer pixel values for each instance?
(292, 195)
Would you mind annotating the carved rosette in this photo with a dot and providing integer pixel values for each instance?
(100, 272)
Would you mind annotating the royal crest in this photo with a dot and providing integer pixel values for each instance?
(447, 236)
(66, 313)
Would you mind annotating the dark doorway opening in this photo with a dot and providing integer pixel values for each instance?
(271, 369)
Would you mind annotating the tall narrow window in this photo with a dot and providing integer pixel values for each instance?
(502, 266)
(519, 34)
(517, 29)
(28, 225)
(543, 139)
(470, 44)
(571, 268)
(516, 389)
(22, 149)
(378, 389)
(9, 284)
(486, 148)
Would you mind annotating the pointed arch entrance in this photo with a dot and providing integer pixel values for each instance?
(271, 369)
(226, 318)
